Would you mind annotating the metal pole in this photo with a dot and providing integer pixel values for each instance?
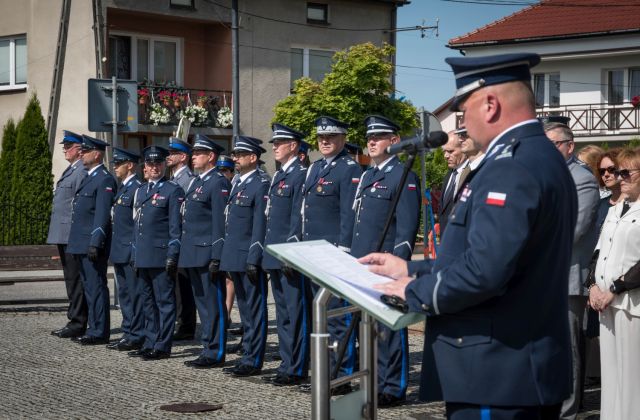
(320, 358)
(114, 112)
(369, 361)
(235, 70)
(423, 171)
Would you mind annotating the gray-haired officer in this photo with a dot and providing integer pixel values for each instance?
(377, 190)
(202, 240)
(90, 238)
(291, 290)
(327, 213)
(178, 162)
(242, 253)
(157, 231)
(125, 164)
(497, 343)
(59, 227)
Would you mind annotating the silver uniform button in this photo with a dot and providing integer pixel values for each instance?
(425, 307)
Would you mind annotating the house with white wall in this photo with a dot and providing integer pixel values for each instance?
(590, 68)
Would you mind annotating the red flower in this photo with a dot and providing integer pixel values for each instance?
(143, 92)
(635, 101)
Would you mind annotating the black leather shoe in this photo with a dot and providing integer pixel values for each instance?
(387, 400)
(124, 345)
(89, 340)
(341, 390)
(236, 331)
(242, 371)
(288, 380)
(305, 388)
(67, 332)
(156, 355)
(228, 370)
(183, 336)
(269, 378)
(204, 363)
(139, 352)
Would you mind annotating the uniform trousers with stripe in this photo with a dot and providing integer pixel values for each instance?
(159, 302)
(252, 305)
(293, 318)
(130, 299)
(96, 293)
(210, 294)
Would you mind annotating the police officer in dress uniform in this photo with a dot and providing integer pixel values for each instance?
(303, 153)
(242, 253)
(157, 230)
(327, 213)
(291, 291)
(376, 191)
(226, 167)
(59, 227)
(497, 338)
(90, 238)
(178, 162)
(202, 240)
(125, 164)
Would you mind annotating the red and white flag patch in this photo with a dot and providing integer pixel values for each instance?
(496, 199)
(355, 180)
(411, 187)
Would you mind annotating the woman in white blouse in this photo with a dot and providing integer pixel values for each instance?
(615, 294)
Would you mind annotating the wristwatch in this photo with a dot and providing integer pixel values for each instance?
(617, 287)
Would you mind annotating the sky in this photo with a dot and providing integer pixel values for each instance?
(431, 88)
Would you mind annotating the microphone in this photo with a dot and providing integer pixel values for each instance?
(414, 144)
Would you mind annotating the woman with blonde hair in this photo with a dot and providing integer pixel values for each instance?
(614, 292)
(590, 155)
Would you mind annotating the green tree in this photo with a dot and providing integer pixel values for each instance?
(359, 84)
(9, 134)
(32, 186)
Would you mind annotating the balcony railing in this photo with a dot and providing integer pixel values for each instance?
(598, 119)
(160, 105)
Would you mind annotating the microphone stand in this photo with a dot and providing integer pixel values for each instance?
(342, 347)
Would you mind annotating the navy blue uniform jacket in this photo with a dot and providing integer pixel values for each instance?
(158, 224)
(283, 211)
(91, 217)
(327, 211)
(497, 329)
(373, 201)
(122, 214)
(245, 224)
(203, 220)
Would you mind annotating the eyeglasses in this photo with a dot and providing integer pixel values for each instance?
(610, 169)
(560, 142)
(624, 173)
(68, 146)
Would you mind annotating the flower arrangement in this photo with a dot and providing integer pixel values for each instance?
(159, 114)
(143, 95)
(225, 117)
(202, 96)
(635, 101)
(195, 113)
(164, 96)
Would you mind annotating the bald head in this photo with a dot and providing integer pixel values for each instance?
(452, 151)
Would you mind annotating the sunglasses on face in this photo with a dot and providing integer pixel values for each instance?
(610, 169)
(625, 173)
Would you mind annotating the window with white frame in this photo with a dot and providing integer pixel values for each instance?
(546, 87)
(145, 57)
(312, 63)
(621, 85)
(13, 62)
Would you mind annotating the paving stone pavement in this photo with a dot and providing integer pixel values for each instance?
(42, 376)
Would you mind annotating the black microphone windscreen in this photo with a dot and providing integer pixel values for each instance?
(437, 139)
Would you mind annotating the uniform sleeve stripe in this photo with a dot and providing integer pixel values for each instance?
(434, 298)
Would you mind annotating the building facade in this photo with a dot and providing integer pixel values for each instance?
(180, 49)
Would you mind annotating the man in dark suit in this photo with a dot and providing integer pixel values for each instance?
(157, 231)
(291, 290)
(584, 242)
(59, 227)
(242, 253)
(455, 160)
(377, 190)
(327, 207)
(178, 162)
(497, 337)
(202, 240)
(125, 164)
(90, 238)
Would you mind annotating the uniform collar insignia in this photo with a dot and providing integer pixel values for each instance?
(207, 177)
(388, 169)
(333, 163)
(290, 169)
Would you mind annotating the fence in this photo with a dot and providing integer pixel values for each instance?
(22, 224)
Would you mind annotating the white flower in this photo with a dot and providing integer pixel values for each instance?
(225, 117)
(195, 113)
(159, 114)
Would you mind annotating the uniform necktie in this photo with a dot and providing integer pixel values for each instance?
(450, 188)
(150, 187)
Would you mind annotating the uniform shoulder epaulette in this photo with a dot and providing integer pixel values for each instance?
(174, 183)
